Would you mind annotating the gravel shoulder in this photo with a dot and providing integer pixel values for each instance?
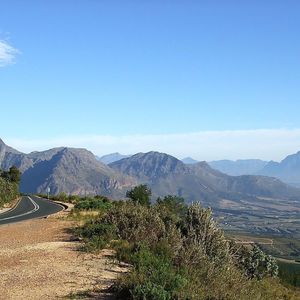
(39, 260)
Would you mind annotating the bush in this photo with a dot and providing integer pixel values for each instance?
(135, 223)
(171, 209)
(178, 252)
(9, 191)
(96, 203)
(152, 277)
(201, 230)
(97, 235)
(141, 194)
(254, 263)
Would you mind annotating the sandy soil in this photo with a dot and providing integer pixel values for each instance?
(39, 260)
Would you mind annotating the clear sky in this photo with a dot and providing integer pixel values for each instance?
(131, 76)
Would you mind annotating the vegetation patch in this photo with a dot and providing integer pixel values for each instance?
(9, 185)
(178, 252)
(290, 273)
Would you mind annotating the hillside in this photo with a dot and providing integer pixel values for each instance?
(288, 170)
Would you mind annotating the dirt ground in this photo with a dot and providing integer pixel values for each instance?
(39, 260)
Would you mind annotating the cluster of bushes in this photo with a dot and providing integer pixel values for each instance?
(9, 185)
(93, 203)
(62, 197)
(87, 203)
(178, 252)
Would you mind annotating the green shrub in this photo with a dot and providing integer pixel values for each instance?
(97, 235)
(123, 249)
(96, 203)
(140, 194)
(172, 209)
(290, 273)
(9, 191)
(136, 223)
(152, 277)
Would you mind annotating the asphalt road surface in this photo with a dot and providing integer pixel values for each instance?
(30, 207)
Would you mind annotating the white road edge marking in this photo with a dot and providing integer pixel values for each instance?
(36, 208)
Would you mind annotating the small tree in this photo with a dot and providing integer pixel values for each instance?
(140, 194)
(13, 175)
(171, 208)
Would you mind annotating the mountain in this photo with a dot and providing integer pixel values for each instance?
(239, 167)
(75, 171)
(288, 170)
(70, 170)
(10, 157)
(110, 158)
(189, 161)
(166, 174)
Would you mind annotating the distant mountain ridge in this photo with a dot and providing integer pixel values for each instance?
(166, 174)
(288, 170)
(239, 167)
(189, 161)
(112, 157)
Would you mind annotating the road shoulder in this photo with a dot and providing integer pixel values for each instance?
(39, 260)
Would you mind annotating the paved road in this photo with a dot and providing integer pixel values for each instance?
(29, 208)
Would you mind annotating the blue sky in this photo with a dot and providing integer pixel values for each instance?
(85, 72)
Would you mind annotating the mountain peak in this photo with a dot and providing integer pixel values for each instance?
(149, 165)
(112, 157)
(5, 148)
(189, 160)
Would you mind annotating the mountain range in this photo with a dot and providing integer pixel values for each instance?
(77, 171)
(288, 170)
(69, 170)
(166, 174)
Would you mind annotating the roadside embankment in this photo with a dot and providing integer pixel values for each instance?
(40, 259)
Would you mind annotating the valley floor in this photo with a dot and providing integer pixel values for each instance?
(39, 260)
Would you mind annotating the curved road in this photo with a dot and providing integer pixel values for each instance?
(30, 207)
